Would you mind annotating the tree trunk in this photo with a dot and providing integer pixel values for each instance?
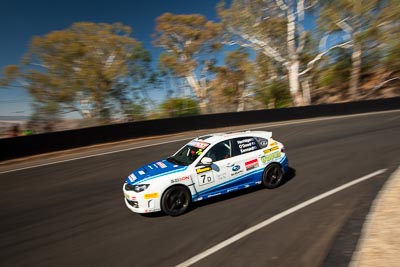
(355, 69)
(294, 83)
(200, 92)
(306, 91)
(241, 100)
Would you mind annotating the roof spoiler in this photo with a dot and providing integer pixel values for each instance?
(268, 135)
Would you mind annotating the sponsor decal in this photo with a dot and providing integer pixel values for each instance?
(205, 169)
(263, 143)
(271, 149)
(247, 145)
(205, 178)
(236, 173)
(161, 164)
(273, 144)
(150, 167)
(141, 172)
(132, 178)
(232, 189)
(258, 182)
(269, 157)
(199, 144)
(251, 164)
(180, 179)
(235, 168)
(151, 195)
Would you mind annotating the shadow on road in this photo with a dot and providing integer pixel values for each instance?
(290, 174)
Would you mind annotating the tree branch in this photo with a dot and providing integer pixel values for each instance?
(281, 5)
(310, 64)
(260, 45)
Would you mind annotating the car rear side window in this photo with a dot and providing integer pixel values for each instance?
(246, 144)
(262, 142)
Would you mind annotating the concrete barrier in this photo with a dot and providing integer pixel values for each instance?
(22, 146)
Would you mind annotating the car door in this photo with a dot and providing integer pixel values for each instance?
(248, 159)
(211, 179)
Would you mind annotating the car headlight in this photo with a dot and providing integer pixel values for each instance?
(140, 187)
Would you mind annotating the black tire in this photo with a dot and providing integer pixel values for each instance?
(175, 200)
(272, 176)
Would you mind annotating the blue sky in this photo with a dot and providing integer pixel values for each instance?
(21, 20)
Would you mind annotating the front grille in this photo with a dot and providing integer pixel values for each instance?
(134, 204)
(129, 187)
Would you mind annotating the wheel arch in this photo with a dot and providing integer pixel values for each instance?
(162, 199)
(175, 185)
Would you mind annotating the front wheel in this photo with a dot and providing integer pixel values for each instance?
(175, 201)
(272, 176)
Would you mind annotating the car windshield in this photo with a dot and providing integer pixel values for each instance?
(189, 153)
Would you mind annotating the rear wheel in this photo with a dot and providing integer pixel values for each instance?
(272, 176)
(175, 201)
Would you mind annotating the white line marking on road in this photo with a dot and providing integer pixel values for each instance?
(275, 218)
(189, 138)
(95, 155)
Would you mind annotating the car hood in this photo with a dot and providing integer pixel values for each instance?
(154, 170)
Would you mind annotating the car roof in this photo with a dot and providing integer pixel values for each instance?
(217, 137)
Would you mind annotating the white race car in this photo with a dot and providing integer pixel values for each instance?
(207, 166)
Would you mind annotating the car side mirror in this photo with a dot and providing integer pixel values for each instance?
(206, 161)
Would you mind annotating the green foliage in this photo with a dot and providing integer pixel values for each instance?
(135, 112)
(185, 38)
(10, 73)
(190, 42)
(392, 61)
(179, 107)
(44, 117)
(88, 68)
(337, 73)
(258, 19)
(364, 23)
(275, 94)
(231, 81)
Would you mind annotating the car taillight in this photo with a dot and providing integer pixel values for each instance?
(283, 149)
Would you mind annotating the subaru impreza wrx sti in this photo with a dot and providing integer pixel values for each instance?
(207, 166)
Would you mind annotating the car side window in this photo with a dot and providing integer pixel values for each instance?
(220, 151)
(246, 144)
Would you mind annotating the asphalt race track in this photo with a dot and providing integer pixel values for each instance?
(72, 213)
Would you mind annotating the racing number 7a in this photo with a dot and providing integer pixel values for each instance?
(205, 178)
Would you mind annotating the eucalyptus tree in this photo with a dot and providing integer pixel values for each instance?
(361, 23)
(190, 43)
(79, 69)
(231, 84)
(276, 29)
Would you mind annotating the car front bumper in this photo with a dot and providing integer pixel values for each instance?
(141, 202)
